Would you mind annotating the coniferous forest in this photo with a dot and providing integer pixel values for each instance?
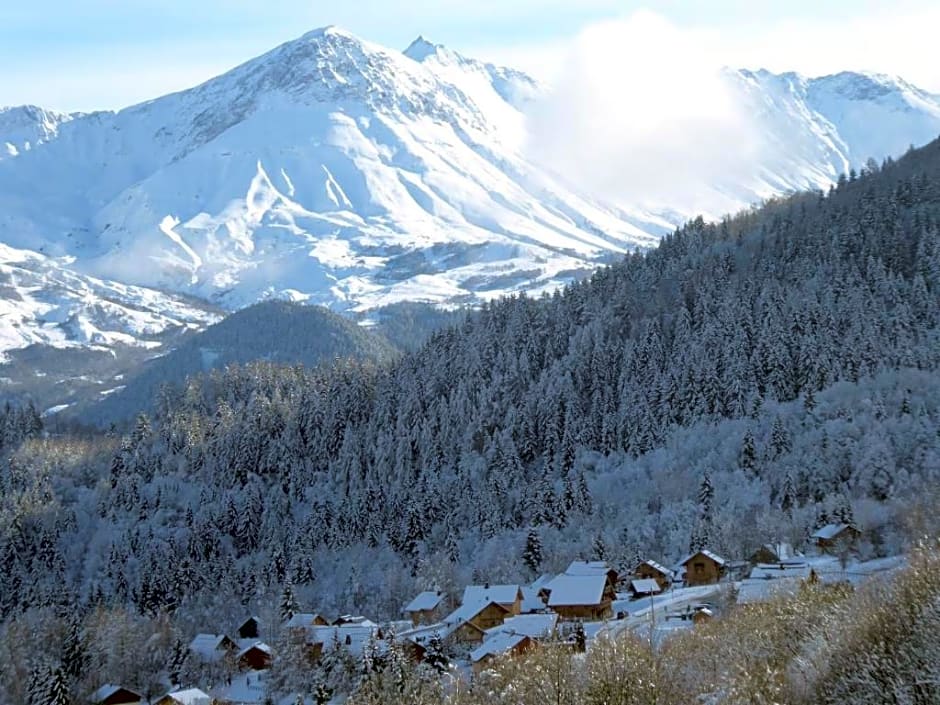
(747, 381)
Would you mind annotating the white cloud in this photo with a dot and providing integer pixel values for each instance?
(897, 42)
(638, 113)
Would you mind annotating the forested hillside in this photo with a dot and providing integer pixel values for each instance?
(275, 331)
(746, 381)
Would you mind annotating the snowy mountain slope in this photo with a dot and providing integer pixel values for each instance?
(329, 170)
(812, 130)
(338, 172)
(27, 126)
(44, 302)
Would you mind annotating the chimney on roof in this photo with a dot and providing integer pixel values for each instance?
(486, 585)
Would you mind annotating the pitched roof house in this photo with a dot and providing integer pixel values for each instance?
(302, 620)
(644, 587)
(537, 626)
(212, 647)
(469, 622)
(191, 696)
(425, 608)
(255, 657)
(773, 553)
(509, 596)
(832, 537)
(110, 694)
(703, 568)
(594, 568)
(250, 628)
(501, 644)
(587, 597)
(650, 569)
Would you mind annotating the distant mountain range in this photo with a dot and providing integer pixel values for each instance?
(337, 172)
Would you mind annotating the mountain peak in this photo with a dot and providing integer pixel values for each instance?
(421, 48)
(330, 30)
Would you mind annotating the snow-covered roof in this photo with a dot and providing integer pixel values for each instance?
(577, 590)
(775, 571)
(497, 644)
(260, 645)
(427, 600)
(656, 566)
(354, 619)
(756, 591)
(303, 619)
(587, 568)
(542, 581)
(645, 586)
(469, 610)
(782, 550)
(501, 594)
(531, 602)
(109, 689)
(704, 552)
(209, 646)
(533, 625)
(423, 634)
(830, 531)
(358, 636)
(191, 696)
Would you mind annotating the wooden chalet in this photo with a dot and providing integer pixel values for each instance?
(255, 657)
(703, 568)
(508, 596)
(583, 597)
(772, 553)
(426, 608)
(833, 538)
(110, 694)
(304, 620)
(213, 647)
(651, 570)
(594, 568)
(500, 645)
(191, 696)
(250, 628)
(469, 622)
(644, 587)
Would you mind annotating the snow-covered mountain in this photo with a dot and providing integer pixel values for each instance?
(44, 302)
(329, 170)
(812, 130)
(339, 172)
(27, 126)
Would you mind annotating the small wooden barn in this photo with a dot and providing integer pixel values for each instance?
(255, 657)
(110, 694)
(191, 696)
(250, 628)
(703, 568)
(304, 620)
(500, 645)
(833, 538)
(651, 570)
(426, 608)
(772, 553)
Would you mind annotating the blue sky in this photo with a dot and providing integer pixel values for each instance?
(90, 54)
